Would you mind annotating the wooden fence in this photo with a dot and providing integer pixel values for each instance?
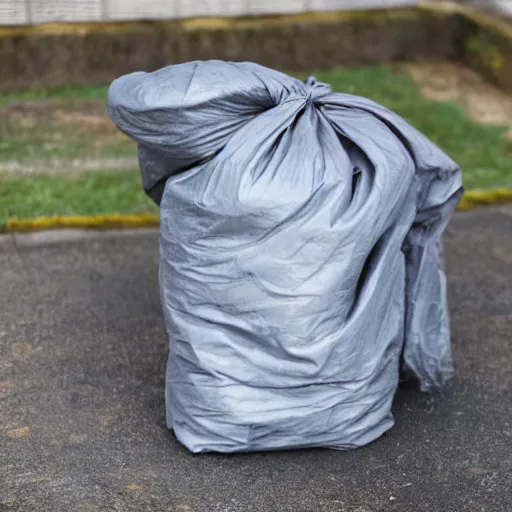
(28, 12)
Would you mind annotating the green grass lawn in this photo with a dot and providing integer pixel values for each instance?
(37, 133)
(68, 92)
(88, 193)
(483, 152)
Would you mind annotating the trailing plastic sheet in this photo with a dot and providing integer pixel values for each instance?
(299, 239)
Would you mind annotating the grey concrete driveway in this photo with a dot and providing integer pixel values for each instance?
(82, 355)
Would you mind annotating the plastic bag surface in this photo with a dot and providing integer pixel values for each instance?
(299, 241)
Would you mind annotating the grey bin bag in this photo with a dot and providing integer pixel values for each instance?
(299, 254)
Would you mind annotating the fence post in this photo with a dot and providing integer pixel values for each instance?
(28, 12)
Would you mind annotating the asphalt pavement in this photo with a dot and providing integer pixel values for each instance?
(82, 428)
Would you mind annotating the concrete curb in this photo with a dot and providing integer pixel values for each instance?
(19, 240)
(494, 197)
(118, 221)
(110, 221)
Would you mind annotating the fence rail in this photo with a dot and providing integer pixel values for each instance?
(27, 12)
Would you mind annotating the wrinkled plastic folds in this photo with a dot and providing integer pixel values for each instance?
(300, 254)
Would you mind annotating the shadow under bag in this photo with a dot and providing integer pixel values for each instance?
(300, 254)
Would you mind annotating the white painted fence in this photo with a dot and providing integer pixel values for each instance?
(20, 12)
